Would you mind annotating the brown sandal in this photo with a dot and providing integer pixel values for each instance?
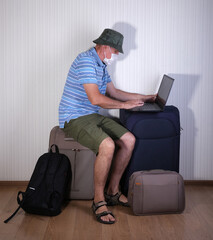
(113, 200)
(95, 206)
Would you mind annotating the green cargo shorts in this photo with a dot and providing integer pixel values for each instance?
(91, 130)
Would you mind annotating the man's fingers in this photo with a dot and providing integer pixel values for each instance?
(133, 103)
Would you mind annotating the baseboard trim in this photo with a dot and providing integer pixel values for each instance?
(14, 183)
(199, 182)
(186, 182)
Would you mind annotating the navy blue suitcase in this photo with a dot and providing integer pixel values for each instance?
(157, 141)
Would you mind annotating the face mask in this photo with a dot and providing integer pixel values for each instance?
(108, 61)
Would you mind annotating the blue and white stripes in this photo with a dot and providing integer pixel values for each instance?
(86, 68)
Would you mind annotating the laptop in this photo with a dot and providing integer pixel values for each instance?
(161, 99)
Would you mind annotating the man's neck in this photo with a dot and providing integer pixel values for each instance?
(100, 53)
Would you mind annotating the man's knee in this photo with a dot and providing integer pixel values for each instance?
(130, 140)
(107, 145)
(127, 141)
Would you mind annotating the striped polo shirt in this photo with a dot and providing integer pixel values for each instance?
(86, 68)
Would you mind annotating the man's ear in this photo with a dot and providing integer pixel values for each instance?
(106, 47)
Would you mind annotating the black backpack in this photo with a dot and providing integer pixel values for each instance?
(49, 185)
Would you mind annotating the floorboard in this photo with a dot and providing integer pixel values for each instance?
(77, 221)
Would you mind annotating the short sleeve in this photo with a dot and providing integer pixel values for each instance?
(86, 71)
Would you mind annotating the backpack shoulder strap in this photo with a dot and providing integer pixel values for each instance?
(7, 220)
(19, 202)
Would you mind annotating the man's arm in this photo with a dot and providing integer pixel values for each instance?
(125, 96)
(96, 98)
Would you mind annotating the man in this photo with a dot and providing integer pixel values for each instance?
(84, 94)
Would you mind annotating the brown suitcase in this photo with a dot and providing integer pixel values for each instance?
(82, 162)
(156, 192)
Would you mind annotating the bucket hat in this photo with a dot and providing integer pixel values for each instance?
(111, 38)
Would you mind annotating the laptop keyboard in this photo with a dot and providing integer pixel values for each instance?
(148, 106)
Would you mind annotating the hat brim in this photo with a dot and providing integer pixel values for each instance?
(103, 42)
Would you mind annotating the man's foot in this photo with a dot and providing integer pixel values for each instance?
(123, 198)
(116, 199)
(102, 214)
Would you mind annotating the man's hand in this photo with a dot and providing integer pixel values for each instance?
(149, 98)
(133, 103)
(96, 98)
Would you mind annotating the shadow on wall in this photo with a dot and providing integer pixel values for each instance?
(129, 44)
(181, 96)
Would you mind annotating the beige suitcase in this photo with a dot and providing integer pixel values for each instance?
(156, 192)
(82, 162)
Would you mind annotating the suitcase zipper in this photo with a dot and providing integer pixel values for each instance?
(74, 187)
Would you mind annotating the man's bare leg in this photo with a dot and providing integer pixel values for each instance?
(101, 170)
(126, 145)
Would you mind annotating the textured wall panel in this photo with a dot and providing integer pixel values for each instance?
(40, 39)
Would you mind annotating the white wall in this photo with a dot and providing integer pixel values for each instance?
(39, 39)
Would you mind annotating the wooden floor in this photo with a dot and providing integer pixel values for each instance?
(78, 223)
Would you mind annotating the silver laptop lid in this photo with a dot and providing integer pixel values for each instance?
(164, 90)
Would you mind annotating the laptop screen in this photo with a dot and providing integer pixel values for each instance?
(164, 90)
